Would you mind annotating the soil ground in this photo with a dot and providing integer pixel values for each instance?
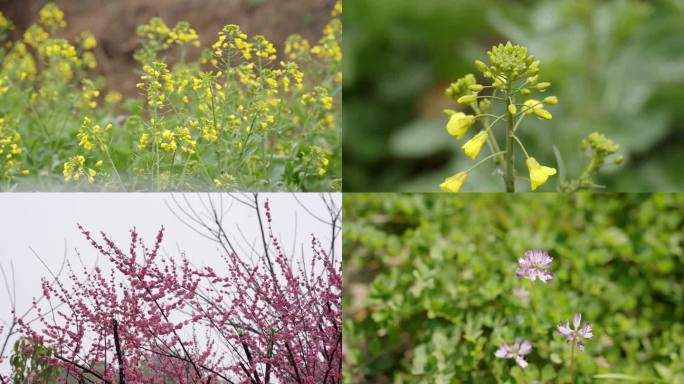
(113, 22)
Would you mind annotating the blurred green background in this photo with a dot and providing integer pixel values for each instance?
(430, 287)
(617, 66)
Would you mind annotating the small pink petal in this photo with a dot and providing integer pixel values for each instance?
(577, 320)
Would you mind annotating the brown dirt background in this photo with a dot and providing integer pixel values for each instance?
(113, 22)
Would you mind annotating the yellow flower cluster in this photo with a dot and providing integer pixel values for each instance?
(52, 17)
(231, 39)
(318, 95)
(75, 168)
(154, 75)
(35, 35)
(155, 30)
(92, 136)
(88, 95)
(329, 48)
(5, 25)
(263, 49)
(10, 152)
(513, 73)
(169, 140)
(182, 33)
(88, 41)
(297, 48)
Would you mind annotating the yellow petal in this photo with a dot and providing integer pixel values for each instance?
(538, 174)
(473, 146)
(459, 123)
(454, 183)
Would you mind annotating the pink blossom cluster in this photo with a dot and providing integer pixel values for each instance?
(156, 319)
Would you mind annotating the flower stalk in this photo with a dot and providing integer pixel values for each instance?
(508, 173)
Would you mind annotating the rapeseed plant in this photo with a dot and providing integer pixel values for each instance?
(512, 76)
(241, 116)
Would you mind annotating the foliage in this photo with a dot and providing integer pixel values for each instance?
(150, 318)
(241, 116)
(431, 290)
(616, 67)
(31, 363)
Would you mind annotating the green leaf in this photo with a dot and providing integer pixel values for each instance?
(621, 376)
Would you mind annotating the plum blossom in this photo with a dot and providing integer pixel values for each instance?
(576, 334)
(516, 351)
(535, 265)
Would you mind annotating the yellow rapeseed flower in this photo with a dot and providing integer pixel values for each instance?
(536, 107)
(538, 173)
(459, 123)
(454, 183)
(473, 146)
(52, 17)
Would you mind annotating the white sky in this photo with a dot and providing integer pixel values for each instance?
(47, 221)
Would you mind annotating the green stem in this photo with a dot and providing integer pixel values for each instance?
(521, 146)
(116, 172)
(491, 140)
(509, 178)
(572, 361)
(483, 160)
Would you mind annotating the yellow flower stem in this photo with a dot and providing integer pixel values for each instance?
(509, 177)
(521, 146)
(483, 160)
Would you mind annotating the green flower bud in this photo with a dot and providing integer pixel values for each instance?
(512, 109)
(534, 66)
(532, 80)
(485, 105)
(619, 159)
(543, 85)
(482, 67)
(551, 100)
(476, 87)
(497, 84)
(449, 112)
(460, 86)
(525, 91)
(487, 74)
(467, 99)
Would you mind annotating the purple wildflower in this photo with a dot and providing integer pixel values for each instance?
(535, 265)
(576, 334)
(516, 351)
